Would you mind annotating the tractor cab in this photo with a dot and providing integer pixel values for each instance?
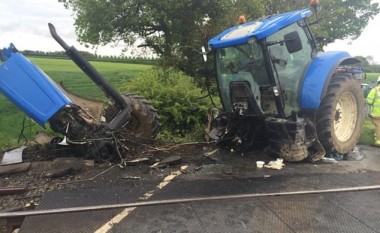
(280, 93)
(260, 64)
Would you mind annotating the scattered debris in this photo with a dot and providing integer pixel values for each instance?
(14, 168)
(131, 177)
(121, 166)
(155, 165)
(66, 163)
(89, 163)
(198, 168)
(30, 205)
(260, 164)
(354, 155)
(64, 166)
(183, 169)
(210, 158)
(171, 160)
(329, 160)
(13, 156)
(11, 190)
(211, 152)
(209, 155)
(137, 161)
(277, 164)
(59, 173)
(336, 156)
(227, 171)
(43, 138)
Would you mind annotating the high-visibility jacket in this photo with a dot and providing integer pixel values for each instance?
(373, 99)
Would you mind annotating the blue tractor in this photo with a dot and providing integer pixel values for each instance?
(278, 90)
(104, 133)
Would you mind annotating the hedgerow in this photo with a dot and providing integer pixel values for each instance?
(181, 104)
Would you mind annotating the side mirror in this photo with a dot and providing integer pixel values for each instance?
(293, 42)
(204, 53)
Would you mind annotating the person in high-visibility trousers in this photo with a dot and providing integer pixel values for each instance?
(373, 100)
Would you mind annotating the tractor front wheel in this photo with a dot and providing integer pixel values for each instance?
(340, 116)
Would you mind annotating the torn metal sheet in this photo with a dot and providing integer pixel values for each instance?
(13, 156)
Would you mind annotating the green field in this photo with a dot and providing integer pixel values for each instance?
(74, 79)
(61, 70)
(371, 77)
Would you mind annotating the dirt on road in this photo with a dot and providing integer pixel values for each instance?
(49, 168)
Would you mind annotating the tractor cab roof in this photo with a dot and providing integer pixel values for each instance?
(258, 29)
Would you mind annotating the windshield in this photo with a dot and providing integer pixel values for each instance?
(244, 62)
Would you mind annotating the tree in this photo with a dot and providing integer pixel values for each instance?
(172, 28)
(370, 60)
(342, 19)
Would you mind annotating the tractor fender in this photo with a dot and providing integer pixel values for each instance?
(319, 75)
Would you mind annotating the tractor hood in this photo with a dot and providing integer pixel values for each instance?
(29, 88)
(257, 29)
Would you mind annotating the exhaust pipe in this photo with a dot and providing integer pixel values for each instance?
(122, 117)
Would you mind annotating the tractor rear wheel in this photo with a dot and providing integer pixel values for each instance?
(340, 116)
(144, 122)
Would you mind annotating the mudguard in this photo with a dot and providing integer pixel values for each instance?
(318, 77)
(29, 88)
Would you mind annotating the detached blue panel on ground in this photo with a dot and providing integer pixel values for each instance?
(30, 89)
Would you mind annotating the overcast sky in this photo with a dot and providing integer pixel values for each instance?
(24, 23)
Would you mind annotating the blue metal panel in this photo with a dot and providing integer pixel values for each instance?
(29, 88)
(259, 29)
(320, 71)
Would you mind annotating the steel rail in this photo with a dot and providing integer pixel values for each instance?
(183, 200)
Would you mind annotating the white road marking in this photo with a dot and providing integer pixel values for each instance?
(124, 213)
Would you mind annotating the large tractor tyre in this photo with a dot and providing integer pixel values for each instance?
(144, 123)
(341, 114)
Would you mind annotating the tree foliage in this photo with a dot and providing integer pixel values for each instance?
(342, 19)
(172, 28)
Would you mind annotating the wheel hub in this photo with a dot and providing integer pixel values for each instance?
(345, 117)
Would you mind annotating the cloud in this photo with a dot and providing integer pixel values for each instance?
(366, 45)
(25, 24)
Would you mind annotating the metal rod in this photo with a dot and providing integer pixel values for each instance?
(89, 70)
(183, 200)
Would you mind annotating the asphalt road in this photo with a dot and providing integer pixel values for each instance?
(226, 176)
